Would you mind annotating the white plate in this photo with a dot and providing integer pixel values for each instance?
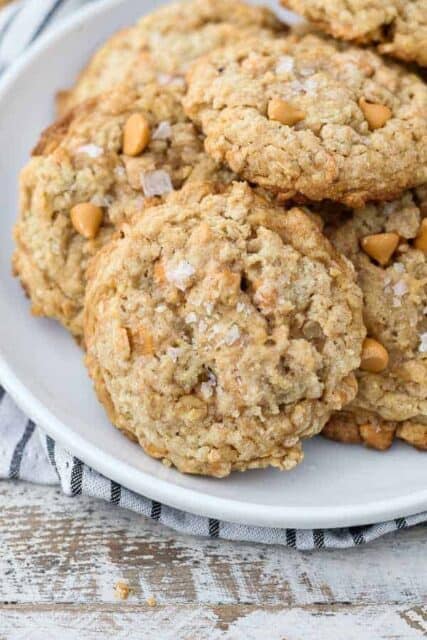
(42, 367)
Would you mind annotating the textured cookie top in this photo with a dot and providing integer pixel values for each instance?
(161, 45)
(388, 247)
(112, 153)
(399, 27)
(221, 330)
(307, 116)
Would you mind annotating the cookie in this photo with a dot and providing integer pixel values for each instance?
(388, 246)
(162, 45)
(367, 428)
(91, 171)
(397, 27)
(306, 116)
(221, 330)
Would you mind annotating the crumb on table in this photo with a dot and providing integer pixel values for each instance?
(122, 590)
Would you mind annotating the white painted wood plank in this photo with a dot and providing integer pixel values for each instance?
(214, 623)
(66, 550)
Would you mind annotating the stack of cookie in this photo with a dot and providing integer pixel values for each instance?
(230, 218)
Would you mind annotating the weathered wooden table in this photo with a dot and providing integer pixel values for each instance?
(61, 558)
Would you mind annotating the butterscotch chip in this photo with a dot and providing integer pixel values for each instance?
(284, 112)
(397, 27)
(341, 430)
(162, 45)
(421, 239)
(414, 434)
(82, 184)
(159, 273)
(376, 114)
(376, 437)
(233, 385)
(86, 219)
(391, 396)
(380, 246)
(136, 135)
(351, 428)
(337, 146)
(374, 356)
(142, 341)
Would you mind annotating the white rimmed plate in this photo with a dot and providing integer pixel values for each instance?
(42, 368)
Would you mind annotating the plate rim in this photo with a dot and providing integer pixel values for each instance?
(141, 482)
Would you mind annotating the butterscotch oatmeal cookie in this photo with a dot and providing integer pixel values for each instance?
(388, 246)
(162, 45)
(398, 27)
(304, 115)
(221, 331)
(90, 172)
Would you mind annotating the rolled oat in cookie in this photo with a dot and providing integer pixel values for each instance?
(397, 27)
(305, 116)
(162, 45)
(388, 246)
(90, 172)
(221, 330)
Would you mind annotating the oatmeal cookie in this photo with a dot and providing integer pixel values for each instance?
(397, 27)
(91, 171)
(388, 247)
(307, 116)
(221, 330)
(162, 44)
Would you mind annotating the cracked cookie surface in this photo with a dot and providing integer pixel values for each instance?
(162, 45)
(221, 330)
(307, 116)
(398, 27)
(80, 162)
(392, 402)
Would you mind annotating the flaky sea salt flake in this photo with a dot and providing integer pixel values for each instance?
(165, 79)
(232, 335)
(180, 274)
(207, 387)
(156, 183)
(163, 131)
(400, 288)
(91, 150)
(120, 171)
(285, 64)
(399, 267)
(423, 343)
(191, 318)
(173, 353)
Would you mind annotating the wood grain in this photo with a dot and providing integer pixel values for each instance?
(73, 551)
(229, 622)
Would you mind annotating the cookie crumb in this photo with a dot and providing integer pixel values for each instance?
(122, 590)
(151, 601)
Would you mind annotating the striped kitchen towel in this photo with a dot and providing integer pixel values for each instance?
(22, 21)
(26, 453)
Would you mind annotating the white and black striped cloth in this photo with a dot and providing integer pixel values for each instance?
(22, 21)
(26, 453)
